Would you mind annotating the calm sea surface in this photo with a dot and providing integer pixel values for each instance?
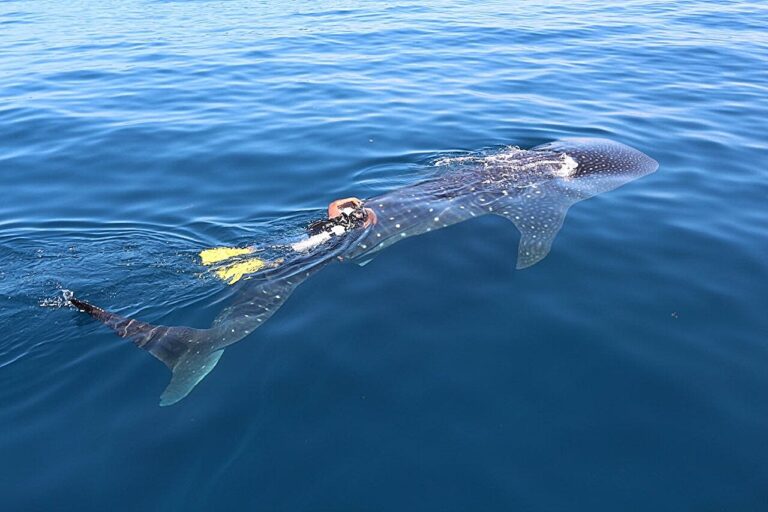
(626, 372)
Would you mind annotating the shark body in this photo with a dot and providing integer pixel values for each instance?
(532, 188)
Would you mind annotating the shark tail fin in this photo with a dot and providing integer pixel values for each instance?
(182, 349)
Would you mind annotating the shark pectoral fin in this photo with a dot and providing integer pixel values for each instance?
(190, 369)
(538, 215)
(533, 248)
(367, 256)
(364, 262)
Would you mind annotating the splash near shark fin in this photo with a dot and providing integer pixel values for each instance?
(538, 214)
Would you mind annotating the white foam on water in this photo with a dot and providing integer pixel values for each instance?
(59, 301)
(501, 157)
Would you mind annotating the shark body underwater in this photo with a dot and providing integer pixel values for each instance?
(532, 188)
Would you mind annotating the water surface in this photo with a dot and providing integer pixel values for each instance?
(627, 371)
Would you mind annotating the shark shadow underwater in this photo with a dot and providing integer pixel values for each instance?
(532, 188)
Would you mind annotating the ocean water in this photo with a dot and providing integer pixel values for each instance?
(627, 371)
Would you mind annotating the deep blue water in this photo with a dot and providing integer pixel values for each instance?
(627, 371)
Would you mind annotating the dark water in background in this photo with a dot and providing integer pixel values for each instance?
(627, 371)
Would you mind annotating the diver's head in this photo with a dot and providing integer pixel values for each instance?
(351, 209)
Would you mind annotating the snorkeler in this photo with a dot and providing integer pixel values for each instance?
(231, 264)
(343, 216)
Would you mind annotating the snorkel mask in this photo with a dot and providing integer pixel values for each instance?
(343, 215)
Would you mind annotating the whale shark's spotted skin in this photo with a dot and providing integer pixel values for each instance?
(532, 188)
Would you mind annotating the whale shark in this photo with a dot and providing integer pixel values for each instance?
(532, 188)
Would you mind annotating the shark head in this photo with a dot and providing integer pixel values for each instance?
(588, 167)
(593, 166)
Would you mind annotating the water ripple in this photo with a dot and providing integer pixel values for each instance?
(134, 134)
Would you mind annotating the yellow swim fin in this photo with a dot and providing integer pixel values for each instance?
(233, 266)
(217, 254)
(233, 273)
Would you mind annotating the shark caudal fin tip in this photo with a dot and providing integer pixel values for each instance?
(166, 401)
(190, 369)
